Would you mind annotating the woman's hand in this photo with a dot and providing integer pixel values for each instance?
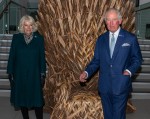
(43, 80)
(11, 79)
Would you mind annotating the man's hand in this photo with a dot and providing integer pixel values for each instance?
(83, 77)
(126, 73)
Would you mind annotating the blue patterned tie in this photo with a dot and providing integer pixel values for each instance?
(112, 45)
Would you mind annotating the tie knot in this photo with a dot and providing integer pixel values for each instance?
(113, 34)
(112, 37)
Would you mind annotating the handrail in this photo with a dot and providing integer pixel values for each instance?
(18, 4)
(0, 1)
(142, 9)
(7, 5)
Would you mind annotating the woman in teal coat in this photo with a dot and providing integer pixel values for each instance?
(26, 68)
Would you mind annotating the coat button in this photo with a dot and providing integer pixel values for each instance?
(110, 65)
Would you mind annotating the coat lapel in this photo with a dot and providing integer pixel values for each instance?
(119, 41)
(107, 43)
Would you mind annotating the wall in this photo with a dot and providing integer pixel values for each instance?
(28, 3)
(32, 3)
(32, 7)
(141, 2)
(142, 18)
(14, 13)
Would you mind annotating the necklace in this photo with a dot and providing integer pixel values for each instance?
(28, 38)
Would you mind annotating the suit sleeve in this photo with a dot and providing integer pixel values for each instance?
(136, 57)
(93, 66)
(11, 59)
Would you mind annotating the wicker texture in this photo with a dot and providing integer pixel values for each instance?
(70, 29)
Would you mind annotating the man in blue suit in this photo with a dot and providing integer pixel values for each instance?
(116, 63)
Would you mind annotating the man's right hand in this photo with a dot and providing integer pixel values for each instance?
(83, 77)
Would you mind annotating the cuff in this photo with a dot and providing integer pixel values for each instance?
(129, 72)
(86, 74)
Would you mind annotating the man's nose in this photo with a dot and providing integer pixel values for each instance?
(111, 22)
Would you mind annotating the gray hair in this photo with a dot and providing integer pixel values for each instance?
(29, 19)
(113, 10)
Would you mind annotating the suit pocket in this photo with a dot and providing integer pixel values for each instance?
(121, 84)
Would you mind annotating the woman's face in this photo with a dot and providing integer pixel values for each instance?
(27, 26)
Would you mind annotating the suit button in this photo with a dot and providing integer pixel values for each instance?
(110, 65)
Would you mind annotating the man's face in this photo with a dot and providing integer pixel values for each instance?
(112, 21)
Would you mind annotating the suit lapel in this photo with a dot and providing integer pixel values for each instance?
(107, 43)
(119, 41)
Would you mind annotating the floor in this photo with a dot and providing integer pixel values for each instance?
(8, 112)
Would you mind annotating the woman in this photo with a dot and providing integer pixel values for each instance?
(26, 68)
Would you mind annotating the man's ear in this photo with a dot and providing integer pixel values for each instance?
(120, 21)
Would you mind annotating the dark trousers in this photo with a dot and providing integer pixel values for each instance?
(114, 106)
(38, 112)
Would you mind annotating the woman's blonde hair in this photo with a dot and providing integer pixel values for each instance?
(29, 19)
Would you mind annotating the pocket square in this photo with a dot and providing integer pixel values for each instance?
(125, 44)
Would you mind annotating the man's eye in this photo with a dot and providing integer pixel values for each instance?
(108, 20)
(111, 20)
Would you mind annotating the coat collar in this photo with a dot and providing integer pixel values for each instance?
(119, 41)
(35, 35)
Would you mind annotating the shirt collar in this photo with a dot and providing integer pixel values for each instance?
(115, 33)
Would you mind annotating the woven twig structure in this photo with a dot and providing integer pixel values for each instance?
(70, 29)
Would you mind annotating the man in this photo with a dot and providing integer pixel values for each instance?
(116, 62)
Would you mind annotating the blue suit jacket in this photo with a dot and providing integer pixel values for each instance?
(126, 55)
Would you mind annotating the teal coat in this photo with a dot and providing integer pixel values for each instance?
(26, 63)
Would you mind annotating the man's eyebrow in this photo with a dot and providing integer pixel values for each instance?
(111, 19)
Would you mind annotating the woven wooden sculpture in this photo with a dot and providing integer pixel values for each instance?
(70, 29)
